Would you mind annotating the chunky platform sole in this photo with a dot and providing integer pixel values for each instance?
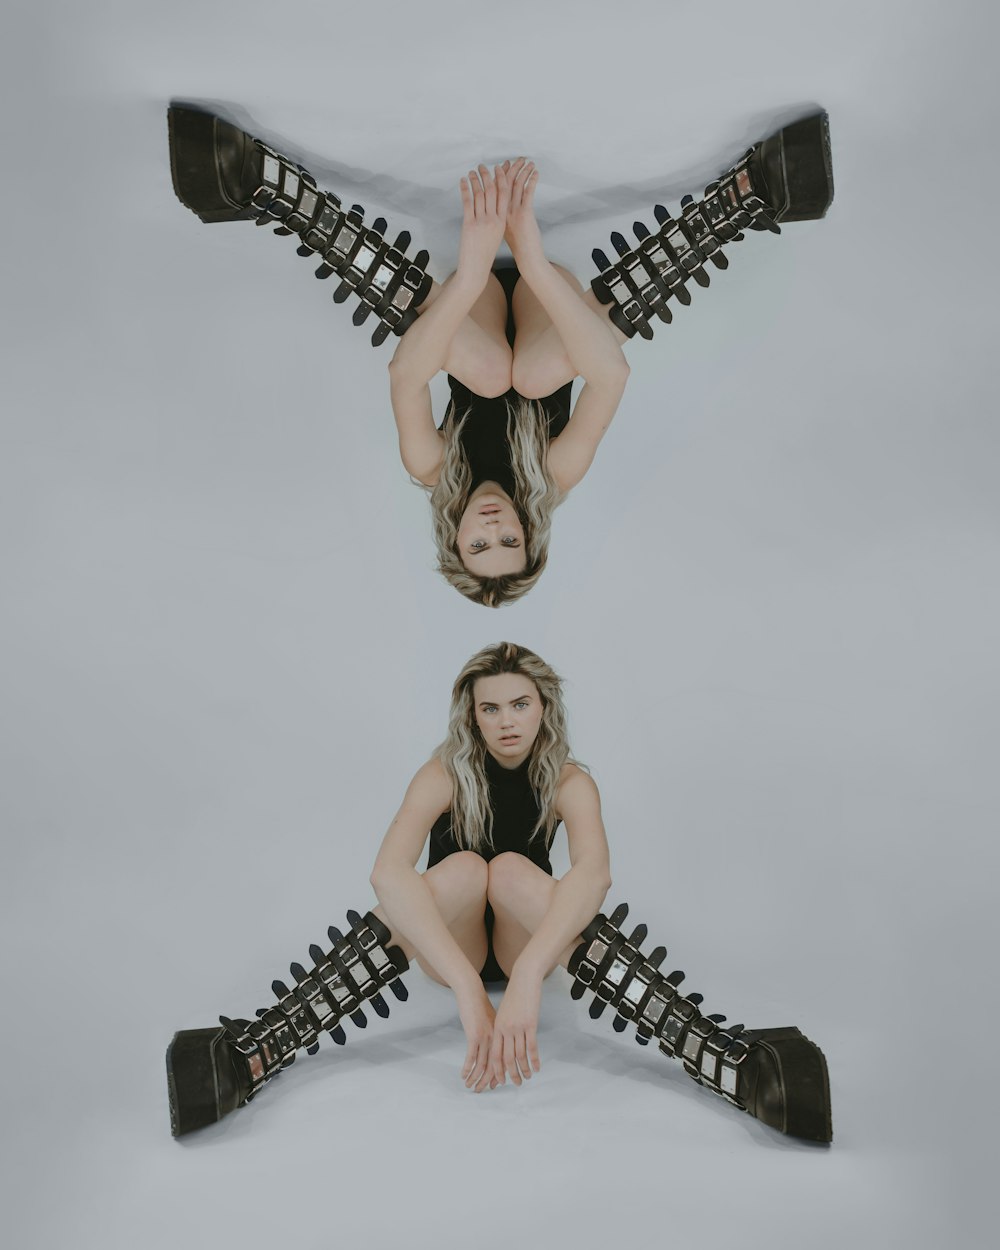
(804, 1082)
(193, 1085)
(798, 167)
(213, 164)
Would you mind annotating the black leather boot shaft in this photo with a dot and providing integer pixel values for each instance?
(222, 173)
(777, 1075)
(786, 177)
(211, 1072)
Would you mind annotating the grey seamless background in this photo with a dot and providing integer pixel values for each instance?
(774, 601)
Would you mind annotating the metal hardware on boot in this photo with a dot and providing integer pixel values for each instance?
(777, 1075)
(224, 174)
(786, 177)
(211, 1072)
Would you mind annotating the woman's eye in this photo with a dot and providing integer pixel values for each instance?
(478, 545)
(490, 708)
(509, 542)
(520, 703)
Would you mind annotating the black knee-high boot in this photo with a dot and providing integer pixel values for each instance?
(223, 174)
(777, 1075)
(211, 1072)
(786, 177)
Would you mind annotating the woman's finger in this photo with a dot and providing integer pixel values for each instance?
(493, 1065)
(470, 1056)
(479, 1069)
(503, 192)
(521, 1055)
(486, 1075)
(469, 1066)
(536, 1063)
(529, 188)
(510, 1060)
(490, 189)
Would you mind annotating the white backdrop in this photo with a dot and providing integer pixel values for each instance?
(774, 601)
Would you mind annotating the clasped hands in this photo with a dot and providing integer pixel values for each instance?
(504, 1043)
(497, 207)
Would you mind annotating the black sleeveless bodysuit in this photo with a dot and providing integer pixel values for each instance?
(484, 435)
(515, 812)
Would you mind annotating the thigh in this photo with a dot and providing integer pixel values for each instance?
(520, 895)
(479, 354)
(490, 310)
(459, 890)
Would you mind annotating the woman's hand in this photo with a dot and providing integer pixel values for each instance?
(484, 216)
(477, 1015)
(515, 1042)
(522, 234)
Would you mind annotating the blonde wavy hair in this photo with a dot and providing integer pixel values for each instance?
(463, 752)
(536, 497)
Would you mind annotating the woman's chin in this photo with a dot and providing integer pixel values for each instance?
(510, 753)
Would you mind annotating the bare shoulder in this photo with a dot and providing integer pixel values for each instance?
(421, 444)
(578, 806)
(577, 789)
(572, 452)
(431, 786)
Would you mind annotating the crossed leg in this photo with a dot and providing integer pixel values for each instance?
(520, 894)
(481, 358)
(541, 363)
(458, 884)
(479, 354)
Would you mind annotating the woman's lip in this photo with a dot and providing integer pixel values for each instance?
(509, 738)
(489, 509)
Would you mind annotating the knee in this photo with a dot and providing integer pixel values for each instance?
(493, 378)
(469, 871)
(537, 381)
(525, 380)
(507, 873)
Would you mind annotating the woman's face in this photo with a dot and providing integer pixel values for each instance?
(508, 713)
(491, 536)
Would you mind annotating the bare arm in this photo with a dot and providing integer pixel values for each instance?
(579, 894)
(402, 890)
(572, 452)
(421, 447)
(590, 343)
(586, 337)
(576, 898)
(423, 349)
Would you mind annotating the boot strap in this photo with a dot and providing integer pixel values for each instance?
(644, 278)
(385, 280)
(357, 967)
(614, 968)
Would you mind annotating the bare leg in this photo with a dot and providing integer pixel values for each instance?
(520, 894)
(479, 354)
(541, 364)
(458, 884)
